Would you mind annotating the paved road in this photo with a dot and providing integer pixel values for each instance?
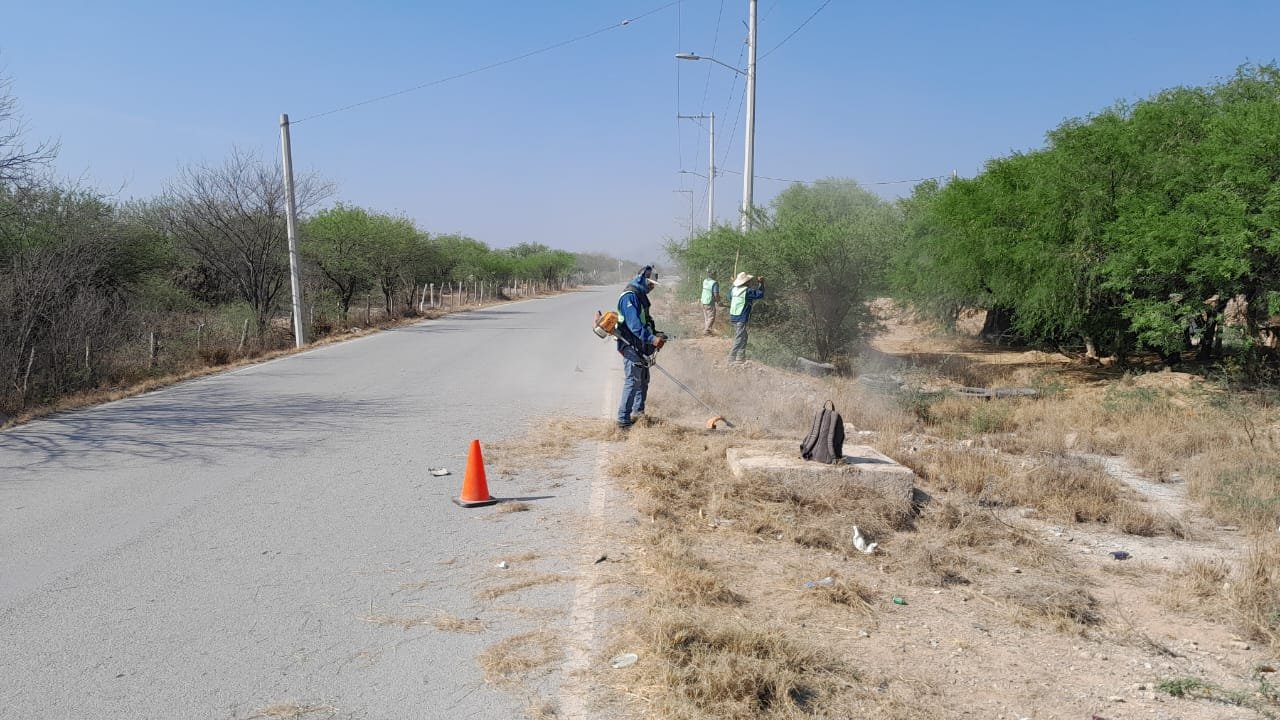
(209, 550)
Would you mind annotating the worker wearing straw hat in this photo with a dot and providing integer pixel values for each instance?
(741, 297)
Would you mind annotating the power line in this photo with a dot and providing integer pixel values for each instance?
(798, 29)
(728, 103)
(490, 66)
(832, 181)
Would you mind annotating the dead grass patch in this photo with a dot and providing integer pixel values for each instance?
(400, 621)
(707, 665)
(847, 592)
(512, 661)
(452, 623)
(542, 709)
(523, 581)
(683, 578)
(1254, 592)
(963, 543)
(1239, 485)
(1196, 584)
(548, 438)
(291, 711)
(1064, 489)
(1066, 605)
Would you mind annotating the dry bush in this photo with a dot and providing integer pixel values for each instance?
(1065, 489)
(848, 592)
(1238, 485)
(1254, 592)
(962, 543)
(512, 661)
(1066, 604)
(708, 665)
(1197, 583)
(682, 578)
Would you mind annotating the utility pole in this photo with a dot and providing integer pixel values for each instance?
(711, 170)
(748, 169)
(291, 224)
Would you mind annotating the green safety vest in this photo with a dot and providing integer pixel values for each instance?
(737, 300)
(708, 291)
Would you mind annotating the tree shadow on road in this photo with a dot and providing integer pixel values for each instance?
(193, 425)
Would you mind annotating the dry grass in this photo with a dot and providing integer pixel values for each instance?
(513, 661)
(705, 665)
(681, 577)
(401, 621)
(291, 711)
(542, 709)
(1063, 489)
(1196, 584)
(550, 438)
(1254, 592)
(521, 581)
(452, 623)
(1239, 485)
(1067, 605)
(514, 506)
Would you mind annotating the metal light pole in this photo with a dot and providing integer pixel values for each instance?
(748, 169)
(711, 170)
(748, 165)
(291, 225)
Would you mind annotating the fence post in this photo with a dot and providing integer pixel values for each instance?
(151, 350)
(244, 335)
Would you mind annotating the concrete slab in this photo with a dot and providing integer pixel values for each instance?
(863, 467)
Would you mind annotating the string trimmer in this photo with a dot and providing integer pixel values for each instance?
(606, 326)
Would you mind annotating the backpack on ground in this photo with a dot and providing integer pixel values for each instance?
(825, 442)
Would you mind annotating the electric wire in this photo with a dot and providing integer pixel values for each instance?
(729, 103)
(793, 32)
(490, 66)
(706, 86)
(834, 182)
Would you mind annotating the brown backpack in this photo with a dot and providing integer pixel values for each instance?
(825, 441)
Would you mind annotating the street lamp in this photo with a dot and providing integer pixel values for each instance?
(748, 169)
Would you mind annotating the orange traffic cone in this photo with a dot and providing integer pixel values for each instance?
(475, 488)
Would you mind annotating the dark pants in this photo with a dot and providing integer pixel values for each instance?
(635, 388)
(739, 350)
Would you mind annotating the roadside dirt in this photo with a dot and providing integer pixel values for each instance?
(1007, 611)
(987, 643)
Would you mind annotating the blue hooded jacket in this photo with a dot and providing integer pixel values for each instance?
(635, 326)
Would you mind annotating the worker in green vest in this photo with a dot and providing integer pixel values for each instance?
(710, 298)
(741, 297)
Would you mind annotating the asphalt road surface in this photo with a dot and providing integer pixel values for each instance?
(226, 545)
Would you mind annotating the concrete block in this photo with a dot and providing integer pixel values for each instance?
(862, 467)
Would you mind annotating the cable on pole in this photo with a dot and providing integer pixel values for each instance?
(490, 66)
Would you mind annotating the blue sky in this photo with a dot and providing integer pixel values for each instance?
(579, 147)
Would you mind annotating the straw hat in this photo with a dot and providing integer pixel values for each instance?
(742, 279)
